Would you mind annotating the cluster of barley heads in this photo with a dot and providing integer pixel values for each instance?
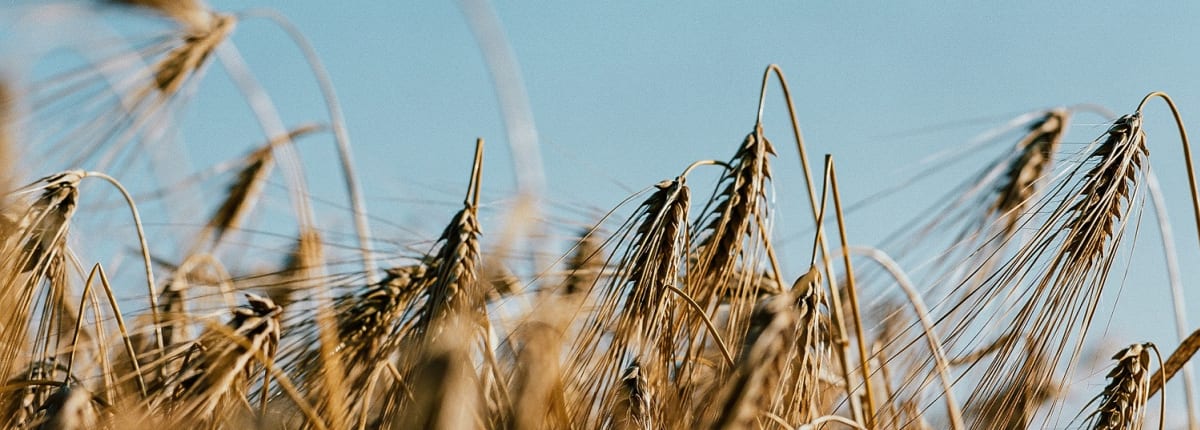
(673, 311)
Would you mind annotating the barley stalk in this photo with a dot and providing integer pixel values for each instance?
(216, 372)
(1123, 401)
(771, 335)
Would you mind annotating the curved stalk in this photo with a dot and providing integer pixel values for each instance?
(839, 334)
(285, 383)
(935, 343)
(703, 163)
(1187, 151)
(272, 125)
(1175, 282)
(707, 322)
(1162, 406)
(830, 418)
(112, 301)
(852, 292)
(341, 136)
(87, 288)
(151, 286)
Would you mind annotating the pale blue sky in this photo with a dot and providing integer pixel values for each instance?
(628, 93)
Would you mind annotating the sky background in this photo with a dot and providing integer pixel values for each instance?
(626, 94)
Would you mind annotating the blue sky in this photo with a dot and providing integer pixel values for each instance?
(628, 93)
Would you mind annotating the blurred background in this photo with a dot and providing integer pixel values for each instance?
(622, 95)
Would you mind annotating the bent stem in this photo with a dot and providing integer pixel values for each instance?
(840, 340)
(272, 125)
(98, 270)
(935, 343)
(707, 322)
(1181, 356)
(703, 163)
(852, 292)
(87, 288)
(830, 418)
(1176, 285)
(1187, 151)
(1162, 406)
(341, 137)
(149, 268)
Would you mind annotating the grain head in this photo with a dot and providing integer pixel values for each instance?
(1123, 401)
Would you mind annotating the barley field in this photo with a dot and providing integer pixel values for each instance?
(189, 238)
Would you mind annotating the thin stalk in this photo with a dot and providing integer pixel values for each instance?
(272, 125)
(852, 292)
(707, 322)
(112, 301)
(889, 393)
(366, 405)
(1162, 400)
(762, 231)
(830, 418)
(1176, 284)
(87, 287)
(1187, 152)
(268, 364)
(931, 336)
(703, 163)
(839, 340)
(341, 136)
(149, 268)
(520, 128)
(1183, 353)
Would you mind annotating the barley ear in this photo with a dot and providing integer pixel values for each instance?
(173, 70)
(1123, 401)
(634, 401)
(1020, 185)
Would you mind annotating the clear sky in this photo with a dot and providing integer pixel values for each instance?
(626, 94)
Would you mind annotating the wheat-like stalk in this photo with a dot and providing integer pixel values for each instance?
(633, 402)
(173, 70)
(636, 305)
(734, 210)
(454, 268)
(585, 266)
(1123, 401)
(660, 317)
(34, 262)
(763, 361)
(537, 387)
(1019, 187)
(1079, 238)
(8, 150)
(444, 385)
(729, 249)
(216, 370)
